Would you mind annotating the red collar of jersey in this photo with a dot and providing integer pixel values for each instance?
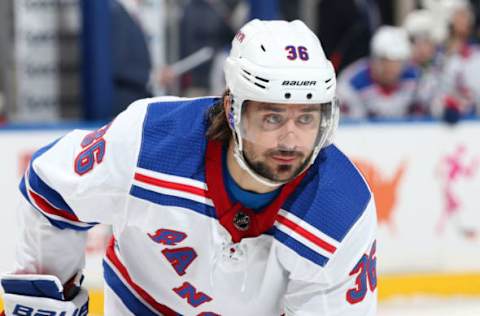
(226, 210)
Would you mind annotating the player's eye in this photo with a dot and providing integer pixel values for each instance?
(273, 119)
(305, 119)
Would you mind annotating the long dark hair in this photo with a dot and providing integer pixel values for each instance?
(218, 128)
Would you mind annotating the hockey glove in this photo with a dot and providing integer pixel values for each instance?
(43, 295)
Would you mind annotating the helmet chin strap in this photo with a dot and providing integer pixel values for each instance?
(234, 123)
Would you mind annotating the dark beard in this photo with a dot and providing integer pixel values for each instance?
(263, 170)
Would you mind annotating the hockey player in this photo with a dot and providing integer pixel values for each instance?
(383, 85)
(426, 32)
(237, 205)
(460, 94)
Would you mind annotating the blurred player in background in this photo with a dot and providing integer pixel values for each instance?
(459, 93)
(426, 33)
(238, 205)
(383, 85)
(460, 19)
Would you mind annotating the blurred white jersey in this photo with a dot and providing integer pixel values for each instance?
(460, 84)
(361, 97)
(180, 246)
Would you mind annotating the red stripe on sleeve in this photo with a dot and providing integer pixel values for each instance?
(170, 185)
(43, 204)
(303, 232)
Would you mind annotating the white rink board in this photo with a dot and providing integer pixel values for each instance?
(439, 162)
(409, 239)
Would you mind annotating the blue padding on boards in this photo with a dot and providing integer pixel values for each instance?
(97, 86)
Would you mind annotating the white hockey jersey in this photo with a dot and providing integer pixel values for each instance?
(361, 97)
(154, 177)
(460, 82)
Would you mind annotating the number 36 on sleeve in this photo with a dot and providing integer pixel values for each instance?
(94, 149)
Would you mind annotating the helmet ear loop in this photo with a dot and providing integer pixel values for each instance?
(329, 133)
(230, 115)
(334, 125)
(231, 118)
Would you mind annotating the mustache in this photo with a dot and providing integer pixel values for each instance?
(285, 153)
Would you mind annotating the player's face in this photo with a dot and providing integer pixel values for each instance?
(279, 139)
(462, 22)
(386, 71)
(423, 50)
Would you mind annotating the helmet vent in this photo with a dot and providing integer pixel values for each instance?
(258, 81)
(263, 48)
(327, 83)
(287, 95)
(263, 79)
(309, 95)
(246, 75)
(246, 78)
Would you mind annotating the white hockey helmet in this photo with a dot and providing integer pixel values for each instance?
(444, 10)
(390, 42)
(445, 7)
(424, 24)
(279, 62)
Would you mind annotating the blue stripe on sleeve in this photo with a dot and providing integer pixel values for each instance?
(52, 196)
(298, 247)
(53, 222)
(38, 153)
(23, 189)
(63, 225)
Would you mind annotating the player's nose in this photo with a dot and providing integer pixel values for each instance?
(289, 135)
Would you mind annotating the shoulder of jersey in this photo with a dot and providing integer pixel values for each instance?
(411, 72)
(330, 200)
(358, 75)
(360, 78)
(173, 140)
